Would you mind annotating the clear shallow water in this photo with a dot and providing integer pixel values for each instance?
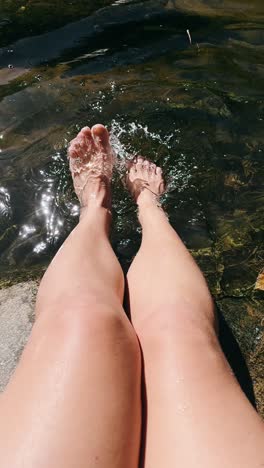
(194, 108)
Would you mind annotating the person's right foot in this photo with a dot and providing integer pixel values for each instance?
(145, 181)
(91, 163)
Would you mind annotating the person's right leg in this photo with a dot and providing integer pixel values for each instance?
(74, 400)
(197, 415)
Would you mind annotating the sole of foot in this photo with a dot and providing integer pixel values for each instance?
(91, 161)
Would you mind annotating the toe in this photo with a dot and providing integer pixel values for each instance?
(73, 150)
(85, 138)
(85, 131)
(152, 169)
(139, 162)
(101, 136)
(133, 172)
(82, 145)
(129, 164)
(146, 167)
(160, 180)
(139, 165)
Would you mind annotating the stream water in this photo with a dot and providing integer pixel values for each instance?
(180, 82)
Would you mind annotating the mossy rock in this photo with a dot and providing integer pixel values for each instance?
(212, 268)
(19, 275)
(245, 317)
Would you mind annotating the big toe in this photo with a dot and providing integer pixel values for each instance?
(101, 136)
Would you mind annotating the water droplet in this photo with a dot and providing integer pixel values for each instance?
(181, 408)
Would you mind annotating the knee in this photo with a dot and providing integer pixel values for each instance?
(97, 328)
(172, 325)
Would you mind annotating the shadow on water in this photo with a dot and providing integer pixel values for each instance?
(235, 358)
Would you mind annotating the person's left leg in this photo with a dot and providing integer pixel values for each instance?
(197, 415)
(74, 400)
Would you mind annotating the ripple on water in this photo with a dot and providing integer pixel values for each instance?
(5, 209)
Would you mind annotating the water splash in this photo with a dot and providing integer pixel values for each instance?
(120, 131)
(179, 174)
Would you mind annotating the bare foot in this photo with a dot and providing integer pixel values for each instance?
(91, 163)
(145, 181)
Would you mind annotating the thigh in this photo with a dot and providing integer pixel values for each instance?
(74, 400)
(197, 415)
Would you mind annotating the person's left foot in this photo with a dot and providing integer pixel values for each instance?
(91, 163)
(145, 181)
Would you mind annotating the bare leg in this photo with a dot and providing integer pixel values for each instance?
(74, 400)
(197, 415)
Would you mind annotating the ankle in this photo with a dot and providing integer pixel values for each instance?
(149, 209)
(96, 215)
(147, 198)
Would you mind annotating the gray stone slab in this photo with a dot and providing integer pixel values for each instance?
(16, 320)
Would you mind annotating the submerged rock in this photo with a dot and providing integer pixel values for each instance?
(260, 282)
